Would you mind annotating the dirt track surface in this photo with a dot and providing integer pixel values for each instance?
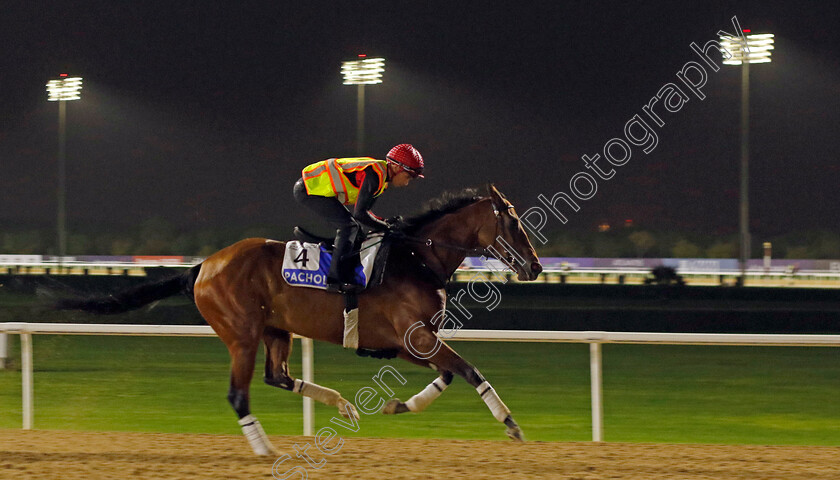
(91, 455)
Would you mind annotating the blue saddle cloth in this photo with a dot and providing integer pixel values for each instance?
(307, 264)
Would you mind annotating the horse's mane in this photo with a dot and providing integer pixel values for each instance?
(436, 208)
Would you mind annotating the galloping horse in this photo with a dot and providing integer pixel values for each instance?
(241, 294)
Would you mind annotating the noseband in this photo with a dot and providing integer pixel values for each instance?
(509, 260)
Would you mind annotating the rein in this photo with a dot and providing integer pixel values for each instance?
(428, 242)
(425, 241)
(431, 243)
(481, 251)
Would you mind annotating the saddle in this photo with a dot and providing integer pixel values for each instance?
(308, 258)
(306, 236)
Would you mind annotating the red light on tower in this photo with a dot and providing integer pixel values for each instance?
(362, 55)
(62, 74)
(747, 30)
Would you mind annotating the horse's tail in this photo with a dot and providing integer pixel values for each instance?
(135, 297)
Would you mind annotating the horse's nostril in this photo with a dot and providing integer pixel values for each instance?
(536, 267)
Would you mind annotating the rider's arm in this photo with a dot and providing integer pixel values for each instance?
(366, 200)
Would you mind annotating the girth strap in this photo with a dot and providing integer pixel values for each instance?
(351, 321)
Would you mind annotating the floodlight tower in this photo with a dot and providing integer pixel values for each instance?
(63, 89)
(753, 48)
(361, 72)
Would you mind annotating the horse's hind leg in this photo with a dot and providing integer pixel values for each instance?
(243, 357)
(278, 347)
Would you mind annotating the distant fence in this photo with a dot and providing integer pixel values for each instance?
(631, 271)
(682, 265)
(594, 339)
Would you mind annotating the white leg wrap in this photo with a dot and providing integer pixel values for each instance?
(351, 328)
(419, 402)
(327, 396)
(491, 398)
(256, 435)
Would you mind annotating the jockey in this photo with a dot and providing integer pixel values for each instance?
(342, 190)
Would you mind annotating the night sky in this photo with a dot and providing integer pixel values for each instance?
(204, 113)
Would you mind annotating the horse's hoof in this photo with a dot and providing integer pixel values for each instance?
(262, 446)
(515, 434)
(268, 450)
(348, 410)
(394, 407)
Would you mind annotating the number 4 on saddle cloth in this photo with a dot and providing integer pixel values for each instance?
(306, 264)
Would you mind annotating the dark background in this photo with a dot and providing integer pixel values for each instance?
(203, 113)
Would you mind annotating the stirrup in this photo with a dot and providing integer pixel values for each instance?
(351, 288)
(343, 287)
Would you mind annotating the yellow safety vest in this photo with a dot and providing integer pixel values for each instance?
(327, 178)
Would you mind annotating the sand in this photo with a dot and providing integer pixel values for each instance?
(110, 455)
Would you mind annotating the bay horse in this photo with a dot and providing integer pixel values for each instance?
(240, 292)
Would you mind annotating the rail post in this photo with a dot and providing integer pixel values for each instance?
(4, 349)
(26, 379)
(596, 380)
(307, 366)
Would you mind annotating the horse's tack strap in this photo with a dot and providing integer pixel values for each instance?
(351, 328)
(351, 320)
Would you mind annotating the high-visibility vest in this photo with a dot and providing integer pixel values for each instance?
(327, 178)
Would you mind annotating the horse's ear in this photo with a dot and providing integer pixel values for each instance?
(495, 194)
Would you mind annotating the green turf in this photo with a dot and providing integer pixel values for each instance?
(686, 394)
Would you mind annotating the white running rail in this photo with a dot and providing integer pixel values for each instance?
(4, 349)
(593, 338)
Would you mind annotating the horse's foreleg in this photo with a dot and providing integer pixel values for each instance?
(278, 347)
(487, 393)
(447, 360)
(420, 401)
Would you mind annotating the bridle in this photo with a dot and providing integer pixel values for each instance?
(483, 252)
(498, 248)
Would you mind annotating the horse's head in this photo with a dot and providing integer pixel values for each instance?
(507, 240)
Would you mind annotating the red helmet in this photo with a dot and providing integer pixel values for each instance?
(408, 158)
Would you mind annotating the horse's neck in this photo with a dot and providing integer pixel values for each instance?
(457, 229)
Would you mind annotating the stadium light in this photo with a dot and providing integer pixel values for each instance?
(361, 72)
(61, 90)
(64, 88)
(364, 71)
(755, 48)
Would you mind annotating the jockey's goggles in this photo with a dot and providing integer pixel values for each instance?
(414, 172)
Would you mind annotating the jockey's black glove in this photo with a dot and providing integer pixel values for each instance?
(395, 222)
(395, 226)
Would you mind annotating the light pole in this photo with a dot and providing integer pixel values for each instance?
(61, 90)
(744, 51)
(361, 72)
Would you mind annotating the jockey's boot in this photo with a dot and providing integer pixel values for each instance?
(340, 276)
